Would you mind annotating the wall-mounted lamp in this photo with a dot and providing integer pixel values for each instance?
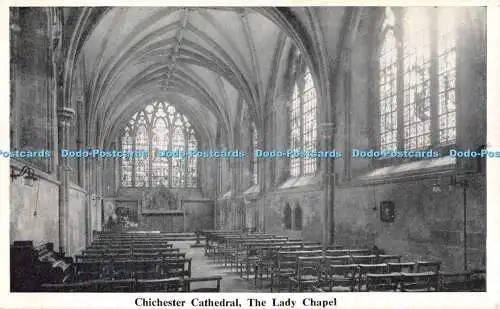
(27, 172)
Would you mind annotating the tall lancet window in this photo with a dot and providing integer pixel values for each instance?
(159, 126)
(417, 60)
(254, 165)
(126, 162)
(303, 124)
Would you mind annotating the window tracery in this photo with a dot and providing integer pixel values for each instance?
(303, 124)
(159, 126)
(417, 60)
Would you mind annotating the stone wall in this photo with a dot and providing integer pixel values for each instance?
(77, 221)
(34, 211)
(428, 225)
(34, 214)
(311, 203)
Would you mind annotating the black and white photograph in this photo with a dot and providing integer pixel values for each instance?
(298, 149)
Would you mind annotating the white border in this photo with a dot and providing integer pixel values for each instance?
(490, 299)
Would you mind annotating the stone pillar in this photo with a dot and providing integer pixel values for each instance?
(233, 167)
(15, 86)
(79, 139)
(327, 133)
(64, 116)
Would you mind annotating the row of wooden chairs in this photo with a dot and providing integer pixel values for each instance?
(123, 256)
(320, 271)
(130, 250)
(143, 268)
(357, 269)
(282, 264)
(126, 256)
(138, 263)
(179, 284)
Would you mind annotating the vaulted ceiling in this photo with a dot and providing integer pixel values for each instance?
(205, 61)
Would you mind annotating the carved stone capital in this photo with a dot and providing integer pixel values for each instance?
(280, 102)
(64, 115)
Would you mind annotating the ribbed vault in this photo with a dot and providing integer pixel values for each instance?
(203, 60)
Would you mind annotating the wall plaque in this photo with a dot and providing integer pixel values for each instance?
(387, 211)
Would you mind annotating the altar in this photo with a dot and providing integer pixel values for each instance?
(162, 210)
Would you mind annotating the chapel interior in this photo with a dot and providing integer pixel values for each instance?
(232, 79)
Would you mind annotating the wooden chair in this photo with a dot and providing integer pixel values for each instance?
(160, 285)
(341, 260)
(89, 270)
(337, 252)
(334, 247)
(388, 258)
(407, 267)
(84, 286)
(189, 281)
(123, 286)
(365, 269)
(383, 282)
(420, 282)
(342, 278)
(308, 272)
(361, 252)
(425, 266)
(473, 281)
(286, 266)
(363, 259)
(453, 281)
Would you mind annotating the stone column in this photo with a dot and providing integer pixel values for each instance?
(79, 139)
(233, 167)
(327, 133)
(64, 116)
(15, 84)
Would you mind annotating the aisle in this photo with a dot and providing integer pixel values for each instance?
(202, 266)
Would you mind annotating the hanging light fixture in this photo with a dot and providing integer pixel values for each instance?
(27, 172)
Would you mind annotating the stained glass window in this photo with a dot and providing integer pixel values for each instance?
(303, 124)
(417, 55)
(126, 169)
(159, 126)
(388, 90)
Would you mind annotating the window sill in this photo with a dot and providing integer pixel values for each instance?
(253, 190)
(227, 195)
(301, 181)
(417, 170)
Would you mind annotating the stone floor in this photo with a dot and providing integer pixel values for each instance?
(203, 266)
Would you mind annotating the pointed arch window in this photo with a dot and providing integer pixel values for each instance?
(417, 71)
(159, 126)
(287, 217)
(297, 217)
(303, 124)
